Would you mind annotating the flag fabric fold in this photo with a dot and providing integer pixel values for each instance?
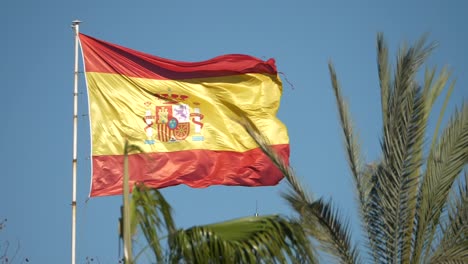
(184, 116)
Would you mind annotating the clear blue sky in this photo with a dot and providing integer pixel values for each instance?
(36, 104)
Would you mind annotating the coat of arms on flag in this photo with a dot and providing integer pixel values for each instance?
(170, 121)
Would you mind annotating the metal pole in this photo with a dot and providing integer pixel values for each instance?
(76, 28)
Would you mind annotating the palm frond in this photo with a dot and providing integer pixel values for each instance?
(411, 172)
(154, 216)
(453, 244)
(145, 210)
(409, 60)
(403, 137)
(317, 217)
(457, 254)
(126, 218)
(388, 189)
(247, 240)
(325, 224)
(351, 139)
(293, 182)
(445, 163)
(264, 239)
(404, 125)
(334, 232)
(363, 180)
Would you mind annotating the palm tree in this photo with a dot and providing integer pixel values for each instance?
(260, 239)
(413, 199)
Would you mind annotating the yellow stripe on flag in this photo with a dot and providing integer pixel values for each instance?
(127, 108)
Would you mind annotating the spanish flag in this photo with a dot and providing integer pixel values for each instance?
(184, 116)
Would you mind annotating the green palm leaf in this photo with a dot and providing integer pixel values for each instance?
(452, 246)
(444, 165)
(269, 239)
(264, 239)
(153, 214)
(363, 177)
(319, 218)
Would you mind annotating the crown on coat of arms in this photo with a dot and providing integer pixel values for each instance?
(172, 98)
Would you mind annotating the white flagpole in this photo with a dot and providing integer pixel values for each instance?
(76, 28)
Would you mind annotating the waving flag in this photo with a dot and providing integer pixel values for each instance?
(183, 116)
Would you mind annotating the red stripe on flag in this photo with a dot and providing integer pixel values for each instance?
(106, 57)
(195, 168)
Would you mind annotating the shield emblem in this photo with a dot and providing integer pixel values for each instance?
(182, 113)
(163, 115)
(173, 122)
(164, 133)
(181, 131)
